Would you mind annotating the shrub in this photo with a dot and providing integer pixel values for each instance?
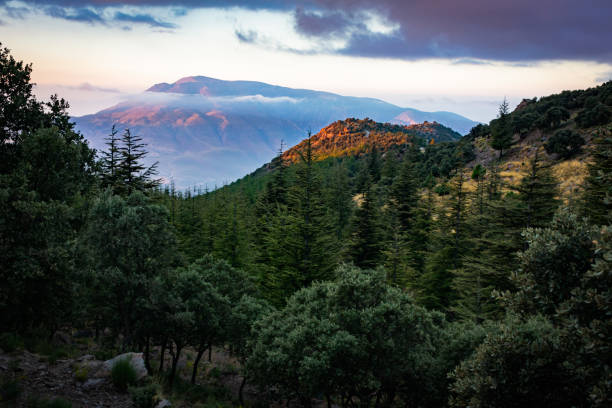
(565, 143)
(10, 342)
(145, 396)
(600, 114)
(123, 374)
(81, 373)
(442, 190)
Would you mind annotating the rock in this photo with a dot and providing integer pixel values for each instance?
(86, 357)
(92, 382)
(163, 404)
(135, 359)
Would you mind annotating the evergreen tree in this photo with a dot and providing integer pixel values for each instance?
(308, 252)
(537, 193)
(501, 131)
(366, 246)
(449, 243)
(109, 162)
(133, 174)
(403, 196)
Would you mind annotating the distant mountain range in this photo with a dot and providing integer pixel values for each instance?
(209, 131)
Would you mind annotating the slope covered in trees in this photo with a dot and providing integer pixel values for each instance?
(403, 273)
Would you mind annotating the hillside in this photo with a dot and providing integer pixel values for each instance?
(537, 123)
(209, 131)
(354, 136)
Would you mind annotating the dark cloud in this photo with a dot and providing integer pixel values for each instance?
(510, 31)
(142, 19)
(519, 30)
(321, 24)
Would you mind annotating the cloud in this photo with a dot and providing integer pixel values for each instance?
(86, 86)
(84, 15)
(321, 24)
(142, 19)
(248, 37)
(605, 77)
(510, 31)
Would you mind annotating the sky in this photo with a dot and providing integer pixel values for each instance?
(462, 56)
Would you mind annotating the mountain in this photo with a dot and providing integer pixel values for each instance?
(206, 130)
(352, 136)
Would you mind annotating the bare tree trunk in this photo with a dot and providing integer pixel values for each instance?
(240, 394)
(175, 359)
(194, 373)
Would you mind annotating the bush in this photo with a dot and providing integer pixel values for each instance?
(600, 114)
(10, 342)
(123, 374)
(565, 143)
(145, 396)
(522, 365)
(442, 189)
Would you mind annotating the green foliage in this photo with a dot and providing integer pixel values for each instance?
(144, 396)
(599, 114)
(565, 143)
(353, 338)
(123, 374)
(501, 131)
(45, 171)
(130, 242)
(524, 364)
(366, 243)
(597, 198)
(553, 264)
(554, 116)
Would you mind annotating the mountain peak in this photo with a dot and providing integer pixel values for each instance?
(354, 136)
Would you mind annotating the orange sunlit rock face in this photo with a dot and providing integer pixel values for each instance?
(355, 136)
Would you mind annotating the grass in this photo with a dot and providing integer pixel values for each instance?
(123, 374)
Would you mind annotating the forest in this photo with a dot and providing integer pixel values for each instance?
(411, 274)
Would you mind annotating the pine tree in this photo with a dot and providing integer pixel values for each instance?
(133, 174)
(366, 247)
(538, 190)
(310, 245)
(597, 198)
(501, 130)
(110, 161)
(403, 196)
(449, 243)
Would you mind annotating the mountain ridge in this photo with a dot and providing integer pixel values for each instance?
(204, 130)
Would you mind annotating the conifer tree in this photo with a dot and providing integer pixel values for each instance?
(309, 248)
(110, 161)
(501, 131)
(133, 174)
(366, 247)
(537, 192)
(403, 195)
